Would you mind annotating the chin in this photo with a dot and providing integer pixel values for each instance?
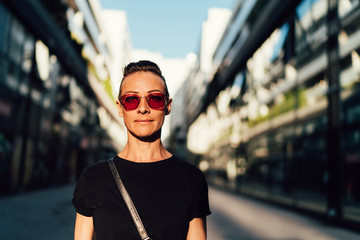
(147, 136)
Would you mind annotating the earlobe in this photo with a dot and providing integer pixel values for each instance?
(168, 107)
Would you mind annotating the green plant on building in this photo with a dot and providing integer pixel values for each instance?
(292, 100)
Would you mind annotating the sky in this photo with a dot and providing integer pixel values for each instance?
(172, 28)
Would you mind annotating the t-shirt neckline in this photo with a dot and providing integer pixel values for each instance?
(143, 163)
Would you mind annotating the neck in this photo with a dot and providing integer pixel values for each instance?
(144, 149)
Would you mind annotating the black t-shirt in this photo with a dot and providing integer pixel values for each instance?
(167, 194)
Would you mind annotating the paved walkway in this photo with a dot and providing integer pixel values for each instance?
(234, 217)
(49, 214)
(41, 215)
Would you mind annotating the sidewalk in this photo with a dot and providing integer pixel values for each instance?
(49, 215)
(234, 217)
(41, 215)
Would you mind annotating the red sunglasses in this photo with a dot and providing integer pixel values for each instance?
(154, 100)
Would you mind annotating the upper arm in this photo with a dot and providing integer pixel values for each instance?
(84, 228)
(197, 229)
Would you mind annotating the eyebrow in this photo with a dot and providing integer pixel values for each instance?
(136, 92)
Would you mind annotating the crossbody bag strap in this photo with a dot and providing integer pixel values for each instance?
(129, 203)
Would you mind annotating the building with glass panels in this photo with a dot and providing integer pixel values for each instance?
(279, 118)
(56, 108)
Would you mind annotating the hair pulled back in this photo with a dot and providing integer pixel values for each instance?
(143, 66)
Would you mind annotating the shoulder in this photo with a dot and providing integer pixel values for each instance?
(186, 168)
(95, 170)
(190, 176)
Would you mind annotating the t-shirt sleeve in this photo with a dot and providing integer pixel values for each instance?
(81, 197)
(200, 207)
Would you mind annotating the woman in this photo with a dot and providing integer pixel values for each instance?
(170, 195)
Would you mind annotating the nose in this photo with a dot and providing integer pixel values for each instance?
(143, 105)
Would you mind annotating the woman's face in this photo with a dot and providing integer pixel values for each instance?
(143, 122)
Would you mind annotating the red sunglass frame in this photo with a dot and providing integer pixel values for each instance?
(147, 97)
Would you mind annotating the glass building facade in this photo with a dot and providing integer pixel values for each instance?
(291, 130)
(49, 126)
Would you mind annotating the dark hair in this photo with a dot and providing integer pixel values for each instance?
(142, 66)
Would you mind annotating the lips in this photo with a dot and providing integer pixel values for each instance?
(143, 120)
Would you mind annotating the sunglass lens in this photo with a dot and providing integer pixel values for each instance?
(156, 101)
(131, 102)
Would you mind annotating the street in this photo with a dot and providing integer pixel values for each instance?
(49, 214)
(234, 217)
(41, 215)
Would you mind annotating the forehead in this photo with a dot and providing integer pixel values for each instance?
(143, 81)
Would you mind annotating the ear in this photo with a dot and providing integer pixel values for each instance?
(120, 109)
(168, 107)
